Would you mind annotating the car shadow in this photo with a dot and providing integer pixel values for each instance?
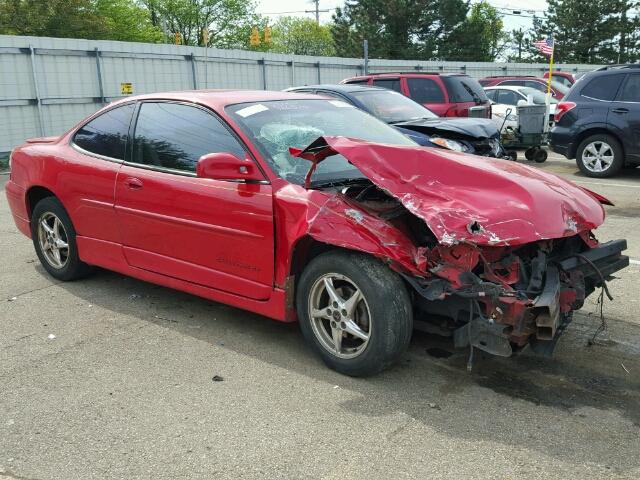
(508, 401)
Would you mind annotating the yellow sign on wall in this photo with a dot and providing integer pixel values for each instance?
(126, 88)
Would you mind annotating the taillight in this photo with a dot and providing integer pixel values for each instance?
(561, 109)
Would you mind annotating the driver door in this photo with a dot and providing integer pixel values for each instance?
(210, 232)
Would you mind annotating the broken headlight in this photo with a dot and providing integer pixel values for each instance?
(449, 144)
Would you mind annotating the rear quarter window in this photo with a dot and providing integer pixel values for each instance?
(425, 90)
(603, 87)
(464, 89)
(390, 83)
(106, 134)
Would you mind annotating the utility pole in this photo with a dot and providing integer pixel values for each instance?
(366, 56)
(317, 10)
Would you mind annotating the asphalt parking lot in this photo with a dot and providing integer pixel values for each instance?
(110, 377)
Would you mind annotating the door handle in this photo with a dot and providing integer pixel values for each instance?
(620, 110)
(133, 183)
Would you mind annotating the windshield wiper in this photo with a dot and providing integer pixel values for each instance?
(339, 182)
(407, 120)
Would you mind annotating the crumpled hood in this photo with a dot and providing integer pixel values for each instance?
(466, 198)
(477, 128)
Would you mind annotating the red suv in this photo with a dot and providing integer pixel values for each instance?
(446, 94)
(557, 89)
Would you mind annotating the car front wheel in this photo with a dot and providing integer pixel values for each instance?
(600, 156)
(354, 311)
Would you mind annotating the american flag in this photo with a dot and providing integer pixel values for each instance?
(545, 46)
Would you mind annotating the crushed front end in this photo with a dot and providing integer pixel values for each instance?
(498, 255)
(501, 299)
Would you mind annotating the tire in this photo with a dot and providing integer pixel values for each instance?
(65, 265)
(383, 312)
(540, 155)
(600, 156)
(529, 152)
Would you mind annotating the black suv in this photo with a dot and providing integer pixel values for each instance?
(598, 121)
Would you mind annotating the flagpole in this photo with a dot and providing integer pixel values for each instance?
(550, 69)
(548, 96)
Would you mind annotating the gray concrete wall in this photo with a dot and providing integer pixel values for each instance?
(49, 84)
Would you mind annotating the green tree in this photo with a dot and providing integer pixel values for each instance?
(128, 21)
(301, 36)
(599, 31)
(92, 19)
(51, 18)
(226, 20)
(397, 29)
(480, 38)
(388, 25)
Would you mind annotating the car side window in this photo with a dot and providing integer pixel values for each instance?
(175, 136)
(337, 96)
(631, 89)
(425, 90)
(602, 88)
(106, 134)
(537, 85)
(508, 97)
(491, 95)
(390, 83)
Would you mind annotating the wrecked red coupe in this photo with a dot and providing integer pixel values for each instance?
(298, 207)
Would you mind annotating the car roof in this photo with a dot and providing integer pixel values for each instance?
(342, 88)
(399, 74)
(218, 99)
(515, 77)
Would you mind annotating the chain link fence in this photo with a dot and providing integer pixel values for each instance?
(49, 84)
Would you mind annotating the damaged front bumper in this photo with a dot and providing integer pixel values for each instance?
(522, 306)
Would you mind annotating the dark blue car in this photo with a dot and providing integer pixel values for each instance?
(598, 121)
(479, 136)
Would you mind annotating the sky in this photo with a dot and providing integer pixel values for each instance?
(299, 7)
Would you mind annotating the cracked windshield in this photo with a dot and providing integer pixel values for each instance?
(277, 125)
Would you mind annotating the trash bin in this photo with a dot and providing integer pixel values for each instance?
(531, 118)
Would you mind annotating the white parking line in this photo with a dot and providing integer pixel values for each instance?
(607, 184)
(634, 262)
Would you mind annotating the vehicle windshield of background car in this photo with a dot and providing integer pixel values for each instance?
(274, 126)
(538, 97)
(560, 87)
(392, 107)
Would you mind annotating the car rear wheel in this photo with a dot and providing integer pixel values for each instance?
(354, 311)
(54, 239)
(600, 156)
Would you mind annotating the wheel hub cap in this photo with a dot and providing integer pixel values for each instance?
(340, 316)
(597, 157)
(53, 240)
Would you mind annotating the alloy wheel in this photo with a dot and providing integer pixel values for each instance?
(597, 156)
(340, 316)
(53, 240)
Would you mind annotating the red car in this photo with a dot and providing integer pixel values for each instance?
(299, 207)
(565, 78)
(446, 94)
(558, 90)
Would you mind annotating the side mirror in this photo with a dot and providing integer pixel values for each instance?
(226, 166)
(522, 103)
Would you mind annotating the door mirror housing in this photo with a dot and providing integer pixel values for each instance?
(226, 166)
